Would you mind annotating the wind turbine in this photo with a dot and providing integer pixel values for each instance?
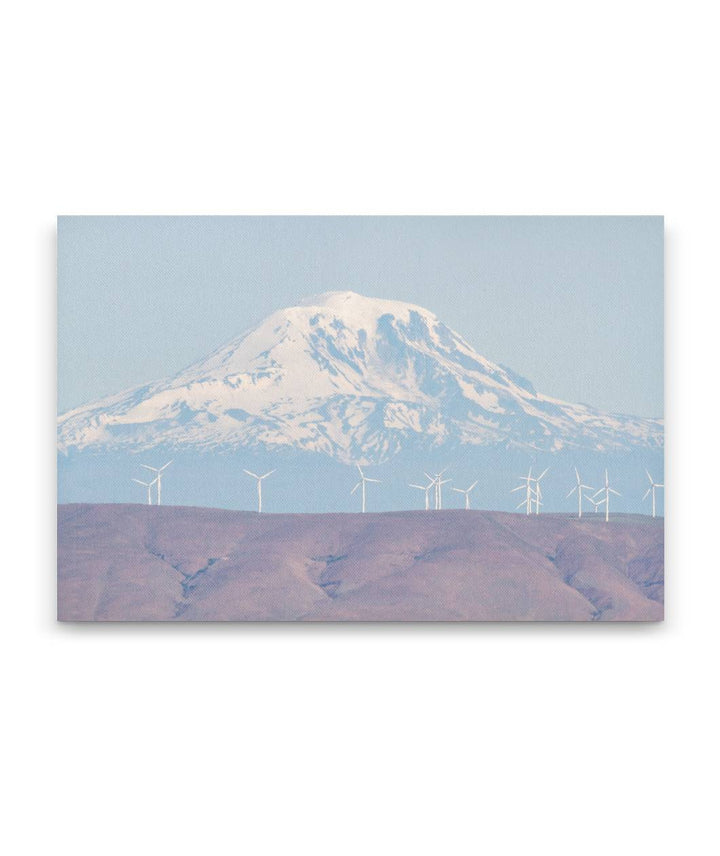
(438, 481)
(148, 485)
(607, 490)
(651, 489)
(361, 484)
(467, 494)
(529, 492)
(158, 477)
(538, 491)
(426, 488)
(580, 487)
(259, 485)
(438, 486)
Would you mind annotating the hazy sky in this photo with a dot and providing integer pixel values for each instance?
(575, 304)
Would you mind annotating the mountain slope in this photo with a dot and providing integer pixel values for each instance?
(133, 562)
(352, 378)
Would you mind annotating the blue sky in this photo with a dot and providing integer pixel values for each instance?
(573, 303)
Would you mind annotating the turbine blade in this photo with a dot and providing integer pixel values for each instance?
(571, 492)
(472, 486)
(614, 491)
(519, 487)
(165, 465)
(457, 490)
(154, 469)
(577, 475)
(647, 494)
(268, 474)
(377, 481)
(355, 488)
(542, 474)
(254, 475)
(650, 478)
(144, 484)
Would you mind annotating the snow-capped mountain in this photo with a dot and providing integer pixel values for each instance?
(355, 379)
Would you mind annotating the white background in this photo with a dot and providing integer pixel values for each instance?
(358, 739)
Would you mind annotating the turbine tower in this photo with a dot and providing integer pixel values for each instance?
(259, 485)
(148, 485)
(361, 484)
(529, 492)
(467, 493)
(651, 490)
(158, 477)
(580, 487)
(426, 488)
(607, 490)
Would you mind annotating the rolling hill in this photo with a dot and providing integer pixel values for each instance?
(162, 563)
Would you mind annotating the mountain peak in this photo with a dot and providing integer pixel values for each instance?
(331, 298)
(352, 377)
(358, 309)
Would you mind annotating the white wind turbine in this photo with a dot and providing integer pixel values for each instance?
(580, 487)
(259, 485)
(651, 490)
(426, 488)
(148, 485)
(158, 477)
(538, 491)
(438, 481)
(361, 484)
(529, 492)
(607, 490)
(438, 487)
(467, 493)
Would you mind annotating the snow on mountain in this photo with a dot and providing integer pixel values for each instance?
(355, 379)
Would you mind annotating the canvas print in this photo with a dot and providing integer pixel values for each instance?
(360, 419)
